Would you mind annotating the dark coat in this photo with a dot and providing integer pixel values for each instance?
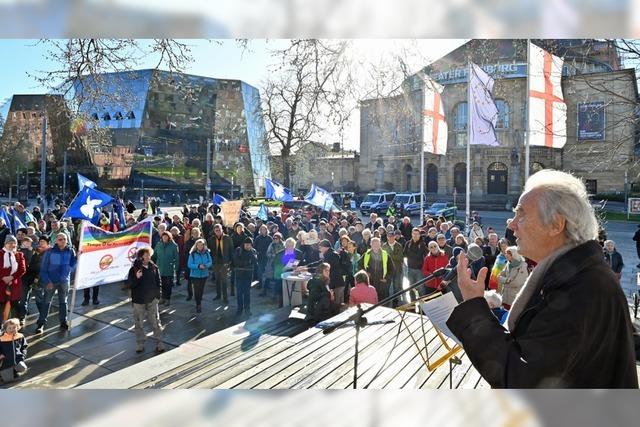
(614, 260)
(319, 302)
(338, 268)
(574, 332)
(146, 288)
(415, 253)
(227, 249)
(245, 264)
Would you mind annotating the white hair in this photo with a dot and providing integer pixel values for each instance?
(493, 298)
(565, 195)
(367, 232)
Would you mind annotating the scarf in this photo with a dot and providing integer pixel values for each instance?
(10, 260)
(532, 284)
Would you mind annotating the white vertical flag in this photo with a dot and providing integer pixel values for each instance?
(434, 127)
(547, 121)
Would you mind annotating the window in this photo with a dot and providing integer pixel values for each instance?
(168, 98)
(503, 114)
(592, 186)
(94, 116)
(118, 116)
(106, 117)
(460, 116)
(130, 115)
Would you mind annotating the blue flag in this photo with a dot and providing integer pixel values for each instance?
(87, 203)
(263, 214)
(276, 191)
(84, 181)
(319, 197)
(120, 212)
(218, 199)
(483, 113)
(5, 216)
(17, 223)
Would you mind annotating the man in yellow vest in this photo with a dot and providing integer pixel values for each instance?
(379, 265)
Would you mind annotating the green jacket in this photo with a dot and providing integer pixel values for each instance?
(165, 256)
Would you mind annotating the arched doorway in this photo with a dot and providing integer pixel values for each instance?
(497, 178)
(432, 178)
(408, 172)
(460, 177)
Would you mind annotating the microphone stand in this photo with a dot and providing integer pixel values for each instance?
(360, 321)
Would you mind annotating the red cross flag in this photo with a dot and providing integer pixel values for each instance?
(547, 109)
(434, 128)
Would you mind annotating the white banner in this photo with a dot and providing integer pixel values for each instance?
(231, 212)
(106, 257)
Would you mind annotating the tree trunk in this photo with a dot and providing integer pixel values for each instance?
(286, 170)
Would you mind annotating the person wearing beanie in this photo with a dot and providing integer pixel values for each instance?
(12, 268)
(246, 269)
(339, 267)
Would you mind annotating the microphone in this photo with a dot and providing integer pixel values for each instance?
(474, 253)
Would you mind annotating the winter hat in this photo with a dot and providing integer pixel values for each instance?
(10, 238)
(324, 243)
(248, 240)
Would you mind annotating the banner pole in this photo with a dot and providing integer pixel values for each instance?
(75, 278)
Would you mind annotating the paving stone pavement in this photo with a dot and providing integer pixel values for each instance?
(102, 339)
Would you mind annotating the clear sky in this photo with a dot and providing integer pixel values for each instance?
(226, 59)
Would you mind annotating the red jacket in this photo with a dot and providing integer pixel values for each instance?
(432, 263)
(16, 284)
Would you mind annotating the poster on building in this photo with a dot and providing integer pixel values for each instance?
(230, 212)
(107, 257)
(634, 205)
(591, 121)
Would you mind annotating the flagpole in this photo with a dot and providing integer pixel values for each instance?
(468, 189)
(422, 159)
(527, 106)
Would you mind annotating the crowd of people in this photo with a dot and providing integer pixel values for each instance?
(352, 261)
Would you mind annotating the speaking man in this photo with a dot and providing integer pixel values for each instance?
(569, 325)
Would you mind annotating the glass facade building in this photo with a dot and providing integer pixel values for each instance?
(160, 124)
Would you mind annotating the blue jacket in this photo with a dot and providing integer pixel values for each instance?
(57, 265)
(195, 259)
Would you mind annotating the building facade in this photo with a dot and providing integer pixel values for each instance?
(601, 98)
(161, 126)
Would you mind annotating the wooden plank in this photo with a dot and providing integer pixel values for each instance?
(244, 375)
(403, 352)
(221, 365)
(272, 335)
(410, 364)
(304, 359)
(366, 360)
(342, 363)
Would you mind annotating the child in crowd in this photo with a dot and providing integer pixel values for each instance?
(13, 350)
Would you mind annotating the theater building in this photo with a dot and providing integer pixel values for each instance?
(601, 97)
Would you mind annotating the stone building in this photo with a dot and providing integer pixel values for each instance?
(325, 165)
(601, 98)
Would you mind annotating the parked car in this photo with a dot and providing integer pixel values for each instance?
(376, 202)
(445, 209)
(409, 204)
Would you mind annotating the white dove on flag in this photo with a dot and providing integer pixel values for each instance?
(278, 191)
(89, 207)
